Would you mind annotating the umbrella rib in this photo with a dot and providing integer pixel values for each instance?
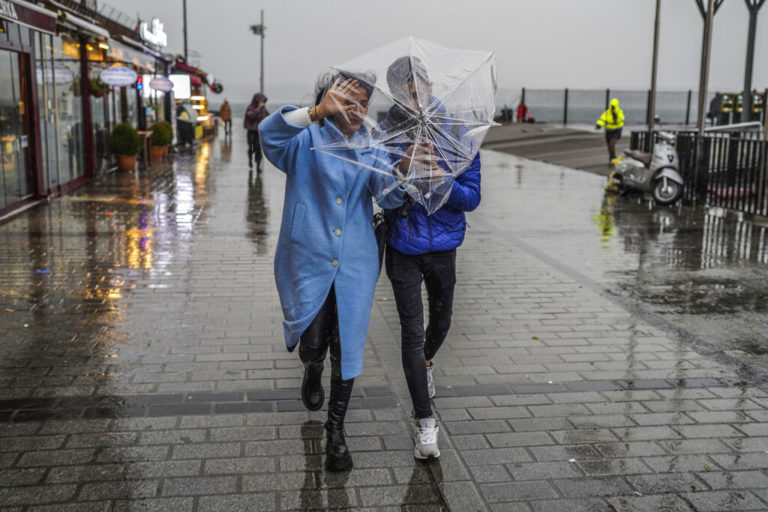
(450, 140)
(469, 75)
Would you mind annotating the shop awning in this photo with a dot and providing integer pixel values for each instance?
(29, 15)
(84, 26)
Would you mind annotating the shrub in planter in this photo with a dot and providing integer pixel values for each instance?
(125, 143)
(162, 136)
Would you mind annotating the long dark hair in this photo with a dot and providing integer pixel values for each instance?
(367, 80)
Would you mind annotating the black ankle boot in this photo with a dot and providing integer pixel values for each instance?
(312, 393)
(337, 456)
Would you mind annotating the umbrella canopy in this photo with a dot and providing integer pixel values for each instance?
(430, 110)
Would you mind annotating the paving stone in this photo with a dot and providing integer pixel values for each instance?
(155, 505)
(517, 491)
(237, 503)
(585, 486)
(544, 470)
(119, 490)
(571, 505)
(724, 500)
(735, 480)
(665, 502)
(199, 486)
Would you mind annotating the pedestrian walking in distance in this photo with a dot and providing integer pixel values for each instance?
(255, 114)
(326, 261)
(613, 121)
(422, 248)
(225, 113)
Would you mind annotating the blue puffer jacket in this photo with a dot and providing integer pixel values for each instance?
(420, 233)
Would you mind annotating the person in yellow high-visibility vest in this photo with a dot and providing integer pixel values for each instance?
(613, 121)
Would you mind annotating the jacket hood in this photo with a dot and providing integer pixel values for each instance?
(258, 98)
(615, 102)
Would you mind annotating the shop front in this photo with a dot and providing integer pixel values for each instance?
(21, 178)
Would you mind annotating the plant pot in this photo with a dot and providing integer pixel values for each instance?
(165, 150)
(126, 163)
(157, 152)
(97, 94)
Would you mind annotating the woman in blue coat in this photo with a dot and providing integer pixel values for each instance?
(326, 262)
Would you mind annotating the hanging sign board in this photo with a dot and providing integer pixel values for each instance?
(119, 76)
(161, 83)
(57, 74)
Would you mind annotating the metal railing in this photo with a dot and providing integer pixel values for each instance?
(721, 169)
(585, 105)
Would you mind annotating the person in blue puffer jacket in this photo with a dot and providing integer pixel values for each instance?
(422, 247)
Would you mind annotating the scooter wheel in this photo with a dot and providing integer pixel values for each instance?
(666, 191)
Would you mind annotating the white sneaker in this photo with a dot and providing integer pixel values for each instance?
(430, 382)
(426, 441)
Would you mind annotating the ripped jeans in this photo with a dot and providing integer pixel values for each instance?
(406, 273)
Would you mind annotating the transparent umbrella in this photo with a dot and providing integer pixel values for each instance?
(430, 110)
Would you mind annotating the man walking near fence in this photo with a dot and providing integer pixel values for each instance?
(613, 121)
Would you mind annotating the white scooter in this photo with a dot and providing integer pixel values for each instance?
(656, 173)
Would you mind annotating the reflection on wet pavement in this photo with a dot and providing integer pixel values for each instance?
(703, 270)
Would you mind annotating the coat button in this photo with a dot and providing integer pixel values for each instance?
(335, 263)
(337, 232)
(338, 200)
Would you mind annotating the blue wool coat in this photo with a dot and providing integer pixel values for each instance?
(326, 236)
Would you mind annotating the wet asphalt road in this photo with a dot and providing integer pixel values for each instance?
(698, 272)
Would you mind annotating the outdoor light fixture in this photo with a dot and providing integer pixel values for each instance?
(202, 118)
(197, 98)
(198, 107)
(103, 45)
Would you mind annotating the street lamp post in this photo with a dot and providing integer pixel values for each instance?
(186, 52)
(652, 102)
(259, 31)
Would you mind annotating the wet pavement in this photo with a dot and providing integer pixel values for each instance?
(605, 355)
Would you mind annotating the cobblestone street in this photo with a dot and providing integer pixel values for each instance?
(143, 367)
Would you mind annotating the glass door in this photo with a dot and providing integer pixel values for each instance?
(15, 177)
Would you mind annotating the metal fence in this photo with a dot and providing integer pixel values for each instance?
(585, 105)
(731, 172)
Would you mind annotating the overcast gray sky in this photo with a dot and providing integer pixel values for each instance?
(538, 43)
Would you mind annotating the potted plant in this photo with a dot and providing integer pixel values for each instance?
(162, 136)
(97, 87)
(125, 143)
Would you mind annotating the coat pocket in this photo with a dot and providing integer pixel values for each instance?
(297, 225)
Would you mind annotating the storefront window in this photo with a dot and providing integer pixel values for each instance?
(14, 141)
(66, 71)
(47, 109)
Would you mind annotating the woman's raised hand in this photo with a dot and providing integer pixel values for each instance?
(338, 99)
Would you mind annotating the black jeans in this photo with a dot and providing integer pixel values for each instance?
(405, 272)
(227, 126)
(254, 147)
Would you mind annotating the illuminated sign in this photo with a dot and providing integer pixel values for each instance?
(182, 89)
(153, 32)
(8, 10)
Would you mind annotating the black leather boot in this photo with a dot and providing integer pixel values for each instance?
(337, 456)
(312, 393)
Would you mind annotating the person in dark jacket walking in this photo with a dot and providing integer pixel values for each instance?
(422, 248)
(254, 115)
